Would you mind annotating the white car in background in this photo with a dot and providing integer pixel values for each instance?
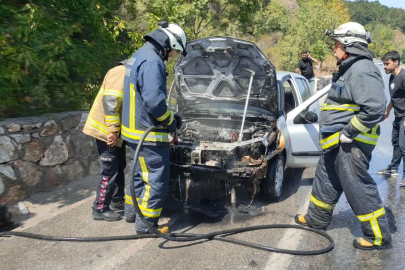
(228, 143)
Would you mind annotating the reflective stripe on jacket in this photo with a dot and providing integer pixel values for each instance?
(333, 140)
(145, 94)
(354, 105)
(105, 114)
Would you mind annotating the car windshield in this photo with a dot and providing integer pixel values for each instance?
(225, 109)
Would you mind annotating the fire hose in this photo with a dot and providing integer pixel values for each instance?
(186, 237)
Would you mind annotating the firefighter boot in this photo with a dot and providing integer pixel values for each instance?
(362, 243)
(106, 215)
(163, 229)
(300, 219)
(117, 205)
(130, 219)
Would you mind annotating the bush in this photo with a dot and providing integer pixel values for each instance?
(54, 54)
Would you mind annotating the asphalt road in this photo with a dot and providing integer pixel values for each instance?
(66, 212)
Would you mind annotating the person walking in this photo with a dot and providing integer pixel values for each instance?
(104, 124)
(391, 62)
(306, 69)
(144, 106)
(349, 131)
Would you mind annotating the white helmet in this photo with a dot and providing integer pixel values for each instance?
(350, 32)
(176, 35)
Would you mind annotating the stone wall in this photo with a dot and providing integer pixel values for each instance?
(38, 153)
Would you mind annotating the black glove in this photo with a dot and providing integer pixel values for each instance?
(173, 125)
(178, 120)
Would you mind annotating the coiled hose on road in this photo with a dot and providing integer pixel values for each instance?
(185, 237)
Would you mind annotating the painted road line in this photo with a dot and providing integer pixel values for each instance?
(291, 240)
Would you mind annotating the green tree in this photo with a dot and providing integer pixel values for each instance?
(383, 37)
(55, 53)
(196, 16)
(365, 13)
(271, 17)
(403, 56)
(320, 51)
(307, 30)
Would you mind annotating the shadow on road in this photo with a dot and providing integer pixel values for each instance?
(292, 182)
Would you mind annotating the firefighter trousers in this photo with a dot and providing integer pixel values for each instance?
(344, 169)
(151, 183)
(111, 184)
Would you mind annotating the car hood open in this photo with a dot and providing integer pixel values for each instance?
(220, 68)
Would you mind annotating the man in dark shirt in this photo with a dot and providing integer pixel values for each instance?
(391, 62)
(305, 67)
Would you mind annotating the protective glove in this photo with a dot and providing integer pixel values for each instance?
(173, 125)
(179, 120)
(344, 139)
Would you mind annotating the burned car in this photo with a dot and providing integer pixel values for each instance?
(234, 134)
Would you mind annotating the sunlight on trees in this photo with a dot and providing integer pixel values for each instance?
(54, 54)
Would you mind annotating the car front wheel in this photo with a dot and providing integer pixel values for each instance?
(272, 186)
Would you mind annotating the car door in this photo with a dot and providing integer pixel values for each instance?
(304, 149)
(306, 92)
(291, 94)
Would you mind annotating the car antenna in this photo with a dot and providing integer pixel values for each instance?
(252, 74)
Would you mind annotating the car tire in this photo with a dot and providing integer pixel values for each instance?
(271, 187)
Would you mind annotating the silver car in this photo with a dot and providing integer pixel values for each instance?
(243, 122)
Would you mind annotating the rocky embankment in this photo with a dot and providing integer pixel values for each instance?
(38, 153)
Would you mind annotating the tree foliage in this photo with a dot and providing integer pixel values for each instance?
(381, 21)
(403, 56)
(272, 17)
(307, 30)
(197, 16)
(366, 13)
(383, 37)
(54, 53)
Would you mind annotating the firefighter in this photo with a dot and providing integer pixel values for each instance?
(104, 124)
(144, 106)
(348, 134)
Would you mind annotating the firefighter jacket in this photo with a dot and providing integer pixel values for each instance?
(105, 114)
(354, 105)
(145, 94)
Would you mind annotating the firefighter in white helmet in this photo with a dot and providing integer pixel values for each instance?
(348, 134)
(144, 106)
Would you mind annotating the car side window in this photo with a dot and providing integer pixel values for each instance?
(287, 86)
(290, 99)
(304, 89)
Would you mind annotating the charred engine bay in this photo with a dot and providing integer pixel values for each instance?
(209, 158)
(214, 142)
(223, 130)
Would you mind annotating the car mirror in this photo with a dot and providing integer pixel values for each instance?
(311, 117)
(306, 117)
